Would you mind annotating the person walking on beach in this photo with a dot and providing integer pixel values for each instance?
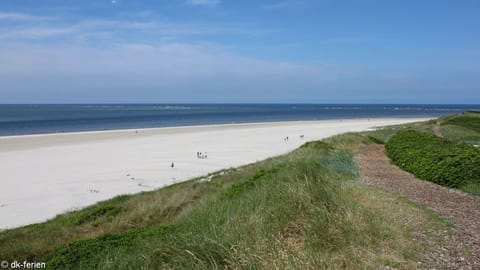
(173, 165)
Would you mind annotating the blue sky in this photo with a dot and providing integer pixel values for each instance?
(165, 51)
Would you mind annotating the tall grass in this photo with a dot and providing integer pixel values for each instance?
(382, 134)
(468, 120)
(459, 133)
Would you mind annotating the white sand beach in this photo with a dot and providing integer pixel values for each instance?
(45, 175)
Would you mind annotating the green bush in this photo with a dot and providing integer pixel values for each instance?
(434, 159)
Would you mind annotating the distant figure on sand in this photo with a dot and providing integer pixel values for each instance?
(173, 165)
(201, 155)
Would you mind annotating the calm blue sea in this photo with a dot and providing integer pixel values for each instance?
(37, 119)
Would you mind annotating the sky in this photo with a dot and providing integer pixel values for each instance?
(249, 51)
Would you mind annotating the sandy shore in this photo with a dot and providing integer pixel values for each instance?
(45, 175)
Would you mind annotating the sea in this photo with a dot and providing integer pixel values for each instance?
(41, 119)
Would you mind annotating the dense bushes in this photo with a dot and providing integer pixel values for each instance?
(435, 159)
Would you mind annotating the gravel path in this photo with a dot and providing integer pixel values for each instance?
(463, 209)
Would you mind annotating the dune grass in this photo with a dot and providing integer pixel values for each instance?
(463, 128)
(382, 134)
(459, 133)
(303, 210)
(469, 120)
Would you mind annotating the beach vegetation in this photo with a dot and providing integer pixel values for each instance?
(382, 134)
(462, 127)
(442, 161)
(469, 120)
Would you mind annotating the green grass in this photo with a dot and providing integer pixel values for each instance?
(462, 128)
(302, 210)
(469, 120)
(382, 134)
(459, 133)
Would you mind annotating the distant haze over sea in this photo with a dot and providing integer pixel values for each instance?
(38, 119)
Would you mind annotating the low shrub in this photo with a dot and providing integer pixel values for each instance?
(434, 159)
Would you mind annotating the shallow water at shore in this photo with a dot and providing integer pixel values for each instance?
(41, 119)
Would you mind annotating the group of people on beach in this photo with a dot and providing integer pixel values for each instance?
(285, 139)
(199, 155)
(202, 155)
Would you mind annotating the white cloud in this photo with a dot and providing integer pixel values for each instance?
(166, 60)
(14, 16)
(35, 33)
(172, 70)
(92, 30)
(203, 2)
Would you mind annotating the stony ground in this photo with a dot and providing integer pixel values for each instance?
(462, 248)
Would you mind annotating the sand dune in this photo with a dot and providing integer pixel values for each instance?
(44, 175)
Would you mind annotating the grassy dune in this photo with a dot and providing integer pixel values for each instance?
(303, 210)
(463, 127)
(470, 120)
(382, 134)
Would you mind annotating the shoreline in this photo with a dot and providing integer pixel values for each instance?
(233, 124)
(49, 174)
(18, 142)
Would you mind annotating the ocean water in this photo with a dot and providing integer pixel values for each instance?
(38, 119)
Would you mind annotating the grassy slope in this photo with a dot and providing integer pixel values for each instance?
(461, 128)
(383, 134)
(470, 120)
(464, 127)
(301, 210)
